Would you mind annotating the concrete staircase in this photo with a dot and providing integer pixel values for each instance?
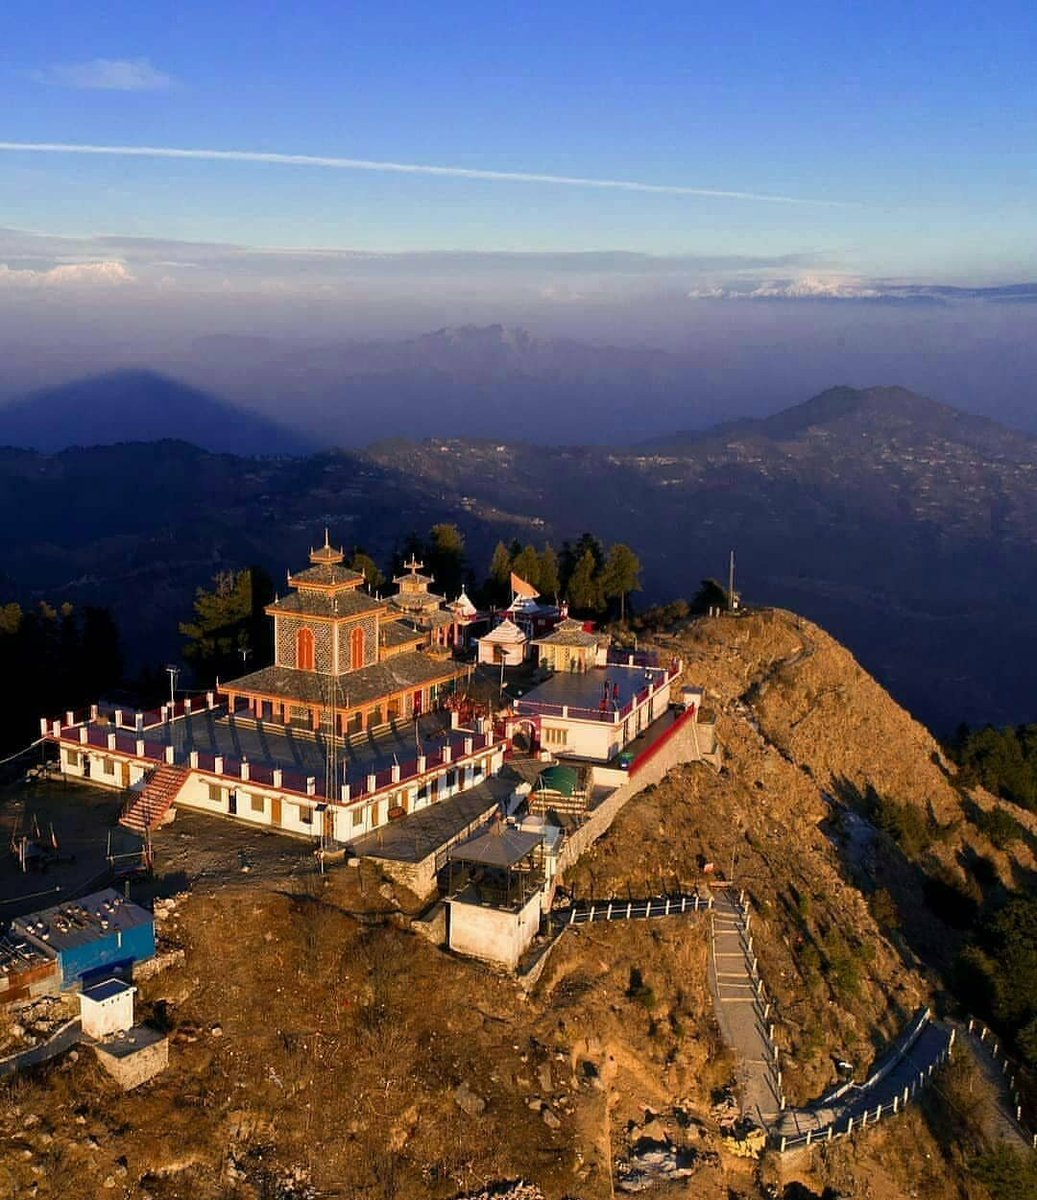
(149, 808)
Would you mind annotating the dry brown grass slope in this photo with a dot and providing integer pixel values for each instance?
(318, 1042)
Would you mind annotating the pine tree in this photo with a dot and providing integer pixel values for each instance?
(621, 575)
(229, 619)
(498, 583)
(550, 584)
(584, 585)
(526, 565)
(445, 558)
(367, 567)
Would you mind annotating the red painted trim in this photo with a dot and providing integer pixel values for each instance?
(651, 751)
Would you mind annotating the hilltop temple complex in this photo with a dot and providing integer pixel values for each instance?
(345, 661)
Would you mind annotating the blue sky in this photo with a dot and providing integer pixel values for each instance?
(907, 130)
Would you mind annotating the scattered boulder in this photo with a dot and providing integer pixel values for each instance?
(468, 1101)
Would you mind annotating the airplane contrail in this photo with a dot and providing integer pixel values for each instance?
(364, 164)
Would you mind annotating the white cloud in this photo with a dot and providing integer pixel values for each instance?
(805, 287)
(106, 74)
(103, 274)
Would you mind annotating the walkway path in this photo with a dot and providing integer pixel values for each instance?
(893, 1083)
(64, 1039)
(741, 1008)
(998, 1118)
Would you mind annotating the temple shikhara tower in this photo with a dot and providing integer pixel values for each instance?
(344, 660)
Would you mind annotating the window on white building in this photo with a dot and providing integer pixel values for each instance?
(305, 815)
(555, 737)
(258, 803)
(215, 793)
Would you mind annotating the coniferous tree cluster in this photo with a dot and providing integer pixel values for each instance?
(53, 659)
(1004, 761)
(230, 632)
(596, 582)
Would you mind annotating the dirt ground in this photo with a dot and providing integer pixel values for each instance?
(321, 1047)
(195, 850)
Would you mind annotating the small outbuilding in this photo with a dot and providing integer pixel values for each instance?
(106, 1008)
(504, 644)
(496, 912)
(570, 646)
(102, 932)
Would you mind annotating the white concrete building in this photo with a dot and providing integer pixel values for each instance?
(106, 1008)
(593, 714)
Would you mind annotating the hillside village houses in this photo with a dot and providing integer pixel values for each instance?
(355, 729)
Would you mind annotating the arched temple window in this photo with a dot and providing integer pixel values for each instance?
(305, 652)
(356, 648)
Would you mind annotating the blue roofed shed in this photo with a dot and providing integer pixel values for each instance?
(101, 932)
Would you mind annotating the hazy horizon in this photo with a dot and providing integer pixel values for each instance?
(737, 192)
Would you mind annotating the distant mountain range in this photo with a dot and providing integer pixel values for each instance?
(474, 381)
(906, 527)
(139, 406)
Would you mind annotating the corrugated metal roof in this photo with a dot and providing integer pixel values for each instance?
(500, 846)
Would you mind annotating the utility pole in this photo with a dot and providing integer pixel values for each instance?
(173, 673)
(732, 604)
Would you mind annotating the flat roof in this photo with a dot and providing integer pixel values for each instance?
(106, 990)
(79, 922)
(123, 1045)
(414, 837)
(16, 954)
(586, 689)
(271, 744)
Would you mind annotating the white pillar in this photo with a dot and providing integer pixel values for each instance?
(111, 741)
(372, 783)
(311, 785)
(394, 773)
(278, 779)
(170, 755)
(217, 765)
(344, 793)
(244, 768)
(193, 758)
(448, 753)
(422, 764)
(469, 745)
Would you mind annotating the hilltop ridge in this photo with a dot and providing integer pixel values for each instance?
(847, 412)
(436, 1077)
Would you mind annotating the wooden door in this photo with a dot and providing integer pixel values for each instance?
(275, 810)
(125, 775)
